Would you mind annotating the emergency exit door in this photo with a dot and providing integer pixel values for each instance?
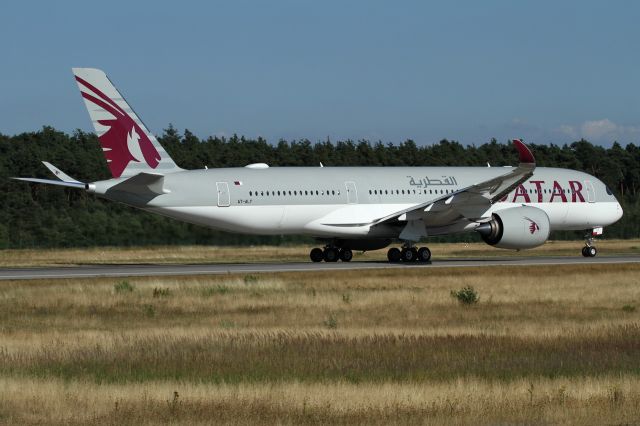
(352, 192)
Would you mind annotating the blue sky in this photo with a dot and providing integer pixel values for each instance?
(548, 71)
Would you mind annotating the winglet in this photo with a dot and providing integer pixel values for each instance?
(526, 156)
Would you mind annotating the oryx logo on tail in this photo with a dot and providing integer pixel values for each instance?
(123, 141)
(128, 145)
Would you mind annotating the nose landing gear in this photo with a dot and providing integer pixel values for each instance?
(589, 250)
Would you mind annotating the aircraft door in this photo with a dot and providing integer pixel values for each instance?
(352, 192)
(224, 198)
(591, 192)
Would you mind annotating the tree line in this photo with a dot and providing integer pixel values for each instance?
(44, 216)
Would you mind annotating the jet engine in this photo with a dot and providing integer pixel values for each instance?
(516, 228)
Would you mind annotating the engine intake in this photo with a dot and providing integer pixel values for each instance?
(516, 228)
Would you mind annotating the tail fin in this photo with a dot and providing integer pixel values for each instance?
(128, 146)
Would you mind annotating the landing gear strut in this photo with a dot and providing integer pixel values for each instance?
(331, 254)
(408, 254)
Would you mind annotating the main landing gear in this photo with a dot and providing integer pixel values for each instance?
(331, 254)
(409, 254)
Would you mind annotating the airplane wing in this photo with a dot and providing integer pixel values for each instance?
(474, 200)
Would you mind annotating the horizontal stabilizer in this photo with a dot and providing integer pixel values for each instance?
(75, 184)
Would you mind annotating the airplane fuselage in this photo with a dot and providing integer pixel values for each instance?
(343, 202)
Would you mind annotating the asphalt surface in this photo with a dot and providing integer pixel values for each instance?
(92, 271)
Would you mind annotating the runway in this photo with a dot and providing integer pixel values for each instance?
(93, 271)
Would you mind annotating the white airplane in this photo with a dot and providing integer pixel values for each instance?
(346, 208)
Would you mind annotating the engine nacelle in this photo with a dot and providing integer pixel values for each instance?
(516, 228)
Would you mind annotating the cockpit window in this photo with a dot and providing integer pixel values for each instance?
(608, 190)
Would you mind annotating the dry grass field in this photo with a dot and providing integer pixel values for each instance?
(552, 345)
(215, 254)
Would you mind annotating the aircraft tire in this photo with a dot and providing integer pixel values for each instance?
(346, 255)
(584, 251)
(331, 254)
(592, 251)
(409, 255)
(424, 254)
(316, 255)
(393, 255)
